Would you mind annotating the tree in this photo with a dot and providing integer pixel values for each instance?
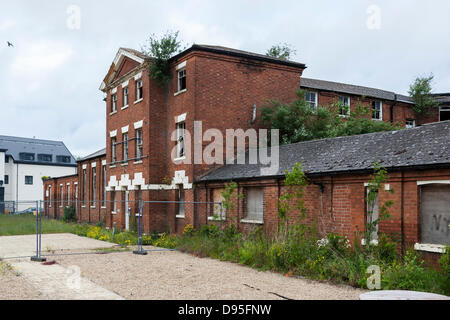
(420, 92)
(161, 49)
(298, 121)
(281, 51)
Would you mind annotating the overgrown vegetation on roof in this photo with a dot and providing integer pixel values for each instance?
(160, 50)
(282, 51)
(298, 121)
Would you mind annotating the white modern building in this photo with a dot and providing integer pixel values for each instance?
(23, 163)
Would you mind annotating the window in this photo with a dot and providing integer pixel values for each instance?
(410, 123)
(50, 196)
(372, 214)
(377, 111)
(181, 80)
(104, 187)
(139, 90)
(125, 96)
(94, 185)
(26, 156)
(255, 208)
(311, 98)
(181, 127)
(45, 157)
(29, 180)
(180, 198)
(218, 210)
(113, 199)
(113, 149)
(344, 105)
(125, 146)
(444, 113)
(139, 143)
(63, 159)
(114, 103)
(68, 195)
(84, 186)
(61, 193)
(6, 179)
(434, 214)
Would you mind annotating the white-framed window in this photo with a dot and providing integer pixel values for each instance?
(139, 90)
(125, 146)
(372, 214)
(68, 195)
(113, 149)
(84, 186)
(255, 204)
(139, 144)
(181, 135)
(125, 96)
(61, 195)
(181, 75)
(344, 106)
(114, 103)
(104, 186)
(410, 123)
(311, 98)
(180, 198)
(50, 196)
(218, 211)
(114, 202)
(94, 185)
(28, 180)
(377, 110)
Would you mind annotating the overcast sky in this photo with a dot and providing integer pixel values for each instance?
(49, 81)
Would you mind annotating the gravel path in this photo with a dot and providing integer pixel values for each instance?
(14, 287)
(175, 275)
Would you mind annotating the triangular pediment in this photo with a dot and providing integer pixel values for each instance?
(125, 61)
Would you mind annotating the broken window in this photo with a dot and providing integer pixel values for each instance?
(139, 144)
(372, 214)
(113, 149)
(218, 210)
(344, 105)
(444, 113)
(181, 127)
(125, 146)
(410, 123)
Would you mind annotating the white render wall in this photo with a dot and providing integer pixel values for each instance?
(17, 190)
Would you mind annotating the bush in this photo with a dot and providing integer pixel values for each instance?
(69, 214)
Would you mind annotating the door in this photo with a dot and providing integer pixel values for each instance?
(435, 214)
(127, 212)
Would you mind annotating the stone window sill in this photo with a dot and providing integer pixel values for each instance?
(179, 217)
(179, 92)
(428, 247)
(124, 164)
(180, 159)
(114, 112)
(137, 101)
(138, 162)
(216, 219)
(112, 166)
(124, 107)
(252, 221)
(113, 213)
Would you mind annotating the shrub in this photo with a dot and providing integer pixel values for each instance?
(69, 214)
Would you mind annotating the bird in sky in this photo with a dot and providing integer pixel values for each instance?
(9, 44)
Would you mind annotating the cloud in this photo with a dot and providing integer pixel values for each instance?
(39, 58)
(7, 24)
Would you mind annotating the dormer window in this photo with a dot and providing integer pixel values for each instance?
(25, 156)
(45, 157)
(63, 159)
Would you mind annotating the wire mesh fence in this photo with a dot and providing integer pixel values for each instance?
(136, 216)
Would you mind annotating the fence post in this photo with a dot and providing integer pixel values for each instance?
(38, 257)
(140, 250)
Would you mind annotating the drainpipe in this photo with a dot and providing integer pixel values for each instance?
(402, 221)
(17, 187)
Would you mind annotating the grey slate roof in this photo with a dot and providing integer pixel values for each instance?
(17, 145)
(352, 89)
(99, 153)
(442, 98)
(427, 145)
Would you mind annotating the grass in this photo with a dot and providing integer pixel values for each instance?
(12, 225)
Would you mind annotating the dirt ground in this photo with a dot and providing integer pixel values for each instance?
(175, 275)
(160, 275)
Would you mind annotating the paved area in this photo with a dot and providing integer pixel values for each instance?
(161, 274)
(32, 280)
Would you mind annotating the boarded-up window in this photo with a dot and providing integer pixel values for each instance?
(435, 214)
(372, 214)
(255, 207)
(217, 199)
